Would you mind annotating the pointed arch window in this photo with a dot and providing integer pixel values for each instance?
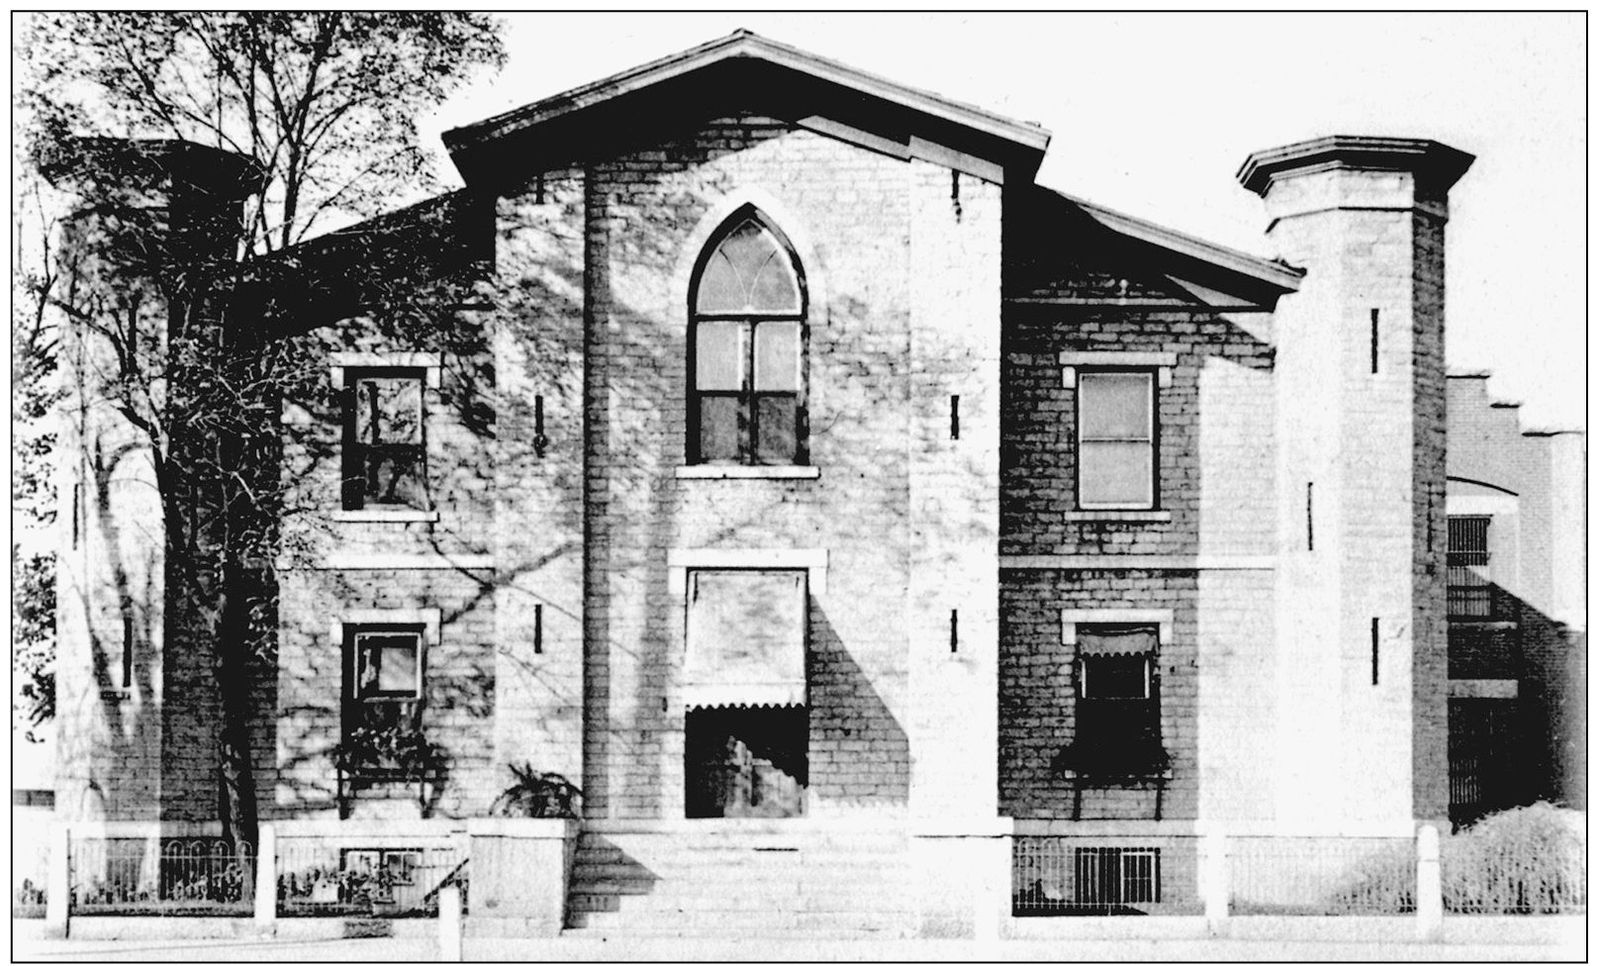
(746, 349)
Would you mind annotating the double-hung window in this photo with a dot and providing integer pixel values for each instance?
(747, 350)
(1116, 453)
(384, 441)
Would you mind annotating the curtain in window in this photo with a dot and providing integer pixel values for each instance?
(1101, 639)
(746, 638)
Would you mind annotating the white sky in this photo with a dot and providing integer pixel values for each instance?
(1152, 114)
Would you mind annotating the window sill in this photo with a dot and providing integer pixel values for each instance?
(1483, 624)
(385, 516)
(1126, 516)
(748, 472)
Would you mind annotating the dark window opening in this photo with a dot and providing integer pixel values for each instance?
(1117, 706)
(384, 440)
(746, 762)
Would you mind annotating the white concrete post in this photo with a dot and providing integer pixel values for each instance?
(449, 924)
(992, 889)
(57, 897)
(1215, 879)
(1428, 884)
(266, 876)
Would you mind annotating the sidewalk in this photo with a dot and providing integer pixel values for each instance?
(1571, 948)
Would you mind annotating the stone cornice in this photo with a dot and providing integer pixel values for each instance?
(1439, 163)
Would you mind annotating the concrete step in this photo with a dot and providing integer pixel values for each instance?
(813, 902)
(763, 924)
(595, 872)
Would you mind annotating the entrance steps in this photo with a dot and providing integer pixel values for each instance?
(731, 877)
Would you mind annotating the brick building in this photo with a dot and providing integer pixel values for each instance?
(771, 456)
(1516, 606)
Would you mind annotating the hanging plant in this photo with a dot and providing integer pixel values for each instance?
(396, 750)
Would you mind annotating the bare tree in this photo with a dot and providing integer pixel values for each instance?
(323, 105)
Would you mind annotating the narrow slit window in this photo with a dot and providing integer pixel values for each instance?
(1376, 315)
(1376, 650)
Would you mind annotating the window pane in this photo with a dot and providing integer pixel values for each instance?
(718, 355)
(388, 410)
(1114, 676)
(720, 288)
(1115, 405)
(777, 357)
(719, 428)
(777, 426)
(396, 475)
(386, 664)
(775, 289)
(749, 272)
(1117, 474)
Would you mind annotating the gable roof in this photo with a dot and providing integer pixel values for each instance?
(1275, 274)
(853, 91)
(1062, 250)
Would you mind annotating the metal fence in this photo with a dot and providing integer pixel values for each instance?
(1059, 875)
(190, 876)
(30, 863)
(1480, 879)
(327, 876)
(1306, 876)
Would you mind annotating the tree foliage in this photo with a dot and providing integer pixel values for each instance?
(325, 102)
(325, 106)
(34, 392)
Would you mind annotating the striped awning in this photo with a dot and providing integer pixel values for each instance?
(746, 638)
(1094, 640)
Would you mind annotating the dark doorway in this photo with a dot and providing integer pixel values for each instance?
(746, 762)
(1484, 754)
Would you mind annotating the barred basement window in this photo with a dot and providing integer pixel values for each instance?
(376, 872)
(1470, 588)
(1117, 876)
(747, 349)
(384, 440)
(1115, 449)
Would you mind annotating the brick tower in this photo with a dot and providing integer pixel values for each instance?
(1362, 655)
(143, 217)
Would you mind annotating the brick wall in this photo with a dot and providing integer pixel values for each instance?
(1037, 695)
(1214, 460)
(1363, 704)
(647, 211)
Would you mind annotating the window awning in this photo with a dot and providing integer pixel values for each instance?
(1102, 639)
(746, 638)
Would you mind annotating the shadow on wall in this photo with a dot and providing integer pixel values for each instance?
(859, 753)
(1502, 752)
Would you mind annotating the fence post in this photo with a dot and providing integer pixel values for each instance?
(449, 924)
(1428, 884)
(1215, 878)
(58, 884)
(266, 876)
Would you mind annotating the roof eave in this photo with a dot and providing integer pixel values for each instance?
(1284, 278)
(743, 44)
